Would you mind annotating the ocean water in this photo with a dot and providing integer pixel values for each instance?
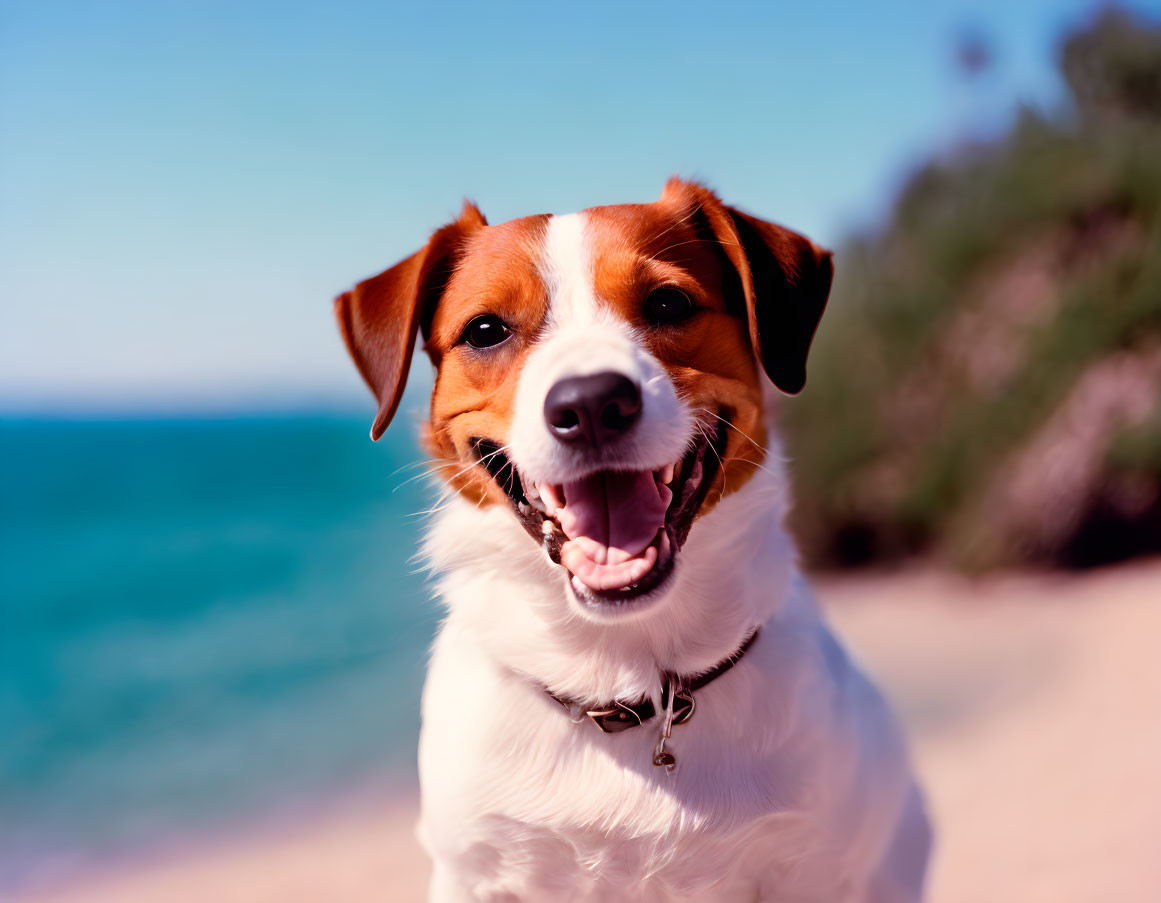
(199, 620)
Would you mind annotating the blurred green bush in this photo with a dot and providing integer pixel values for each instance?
(986, 385)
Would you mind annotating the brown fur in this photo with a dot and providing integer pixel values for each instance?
(759, 290)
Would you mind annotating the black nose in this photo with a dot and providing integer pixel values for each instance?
(592, 409)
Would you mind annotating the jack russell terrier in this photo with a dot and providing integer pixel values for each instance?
(634, 695)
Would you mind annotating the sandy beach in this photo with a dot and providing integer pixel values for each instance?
(1033, 704)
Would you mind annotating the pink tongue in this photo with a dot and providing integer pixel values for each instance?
(611, 519)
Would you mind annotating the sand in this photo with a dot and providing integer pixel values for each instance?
(1034, 709)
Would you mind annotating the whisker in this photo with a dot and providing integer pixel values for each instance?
(414, 477)
(460, 473)
(407, 466)
(750, 439)
(429, 463)
(440, 507)
(459, 492)
(690, 242)
(765, 451)
(681, 222)
(721, 463)
(483, 458)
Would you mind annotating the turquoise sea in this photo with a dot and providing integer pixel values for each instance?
(200, 620)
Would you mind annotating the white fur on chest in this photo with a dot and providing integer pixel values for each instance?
(791, 776)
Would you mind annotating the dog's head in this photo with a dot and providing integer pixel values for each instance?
(597, 373)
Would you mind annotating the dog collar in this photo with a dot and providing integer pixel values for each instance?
(677, 704)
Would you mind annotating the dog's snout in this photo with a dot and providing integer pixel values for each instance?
(592, 409)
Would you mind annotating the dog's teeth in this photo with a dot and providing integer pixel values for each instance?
(667, 473)
(547, 527)
(552, 497)
(532, 492)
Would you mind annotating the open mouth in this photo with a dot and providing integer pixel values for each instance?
(617, 532)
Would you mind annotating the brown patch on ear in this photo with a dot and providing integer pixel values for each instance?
(785, 280)
(381, 316)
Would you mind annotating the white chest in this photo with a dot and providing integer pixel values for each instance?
(522, 804)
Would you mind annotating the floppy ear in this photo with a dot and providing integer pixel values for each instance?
(791, 279)
(381, 316)
(785, 281)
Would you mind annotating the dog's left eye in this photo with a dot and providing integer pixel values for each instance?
(486, 331)
(667, 305)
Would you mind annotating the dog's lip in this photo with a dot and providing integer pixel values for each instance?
(689, 479)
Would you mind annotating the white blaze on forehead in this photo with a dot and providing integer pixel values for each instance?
(568, 272)
(583, 335)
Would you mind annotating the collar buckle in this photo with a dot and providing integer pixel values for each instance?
(618, 717)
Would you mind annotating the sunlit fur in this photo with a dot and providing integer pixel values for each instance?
(511, 270)
(793, 782)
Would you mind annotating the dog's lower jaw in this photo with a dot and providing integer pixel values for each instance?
(613, 606)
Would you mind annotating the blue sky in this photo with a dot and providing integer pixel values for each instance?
(184, 186)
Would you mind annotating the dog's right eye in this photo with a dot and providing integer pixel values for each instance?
(668, 305)
(485, 331)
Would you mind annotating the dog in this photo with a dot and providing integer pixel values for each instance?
(633, 695)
